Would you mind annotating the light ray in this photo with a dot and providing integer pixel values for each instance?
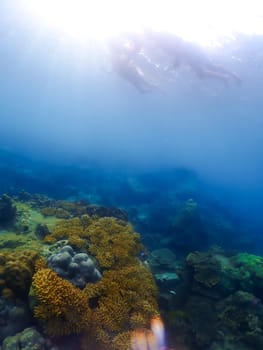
(202, 21)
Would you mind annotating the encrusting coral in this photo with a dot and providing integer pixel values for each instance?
(206, 268)
(16, 271)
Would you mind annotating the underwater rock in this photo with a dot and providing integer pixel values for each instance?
(57, 212)
(222, 305)
(23, 217)
(189, 230)
(202, 317)
(41, 231)
(163, 265)
(28, 339)
(218, 275)
(206, 268)
(65, 210)
(166, 280)
(14, 317)
(167, 283)
(7, 210)
(23, 195)
(54, 247)
(241, 314)
(96, 210)
(162, 260)
(78, 268)
(36, 200)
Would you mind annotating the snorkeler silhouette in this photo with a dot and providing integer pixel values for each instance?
(123, 55)
(190, 54)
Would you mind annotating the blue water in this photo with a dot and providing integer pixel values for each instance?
(63, 117)
(59, 106)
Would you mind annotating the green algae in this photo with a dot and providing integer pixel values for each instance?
(28, 218)
(22, 233)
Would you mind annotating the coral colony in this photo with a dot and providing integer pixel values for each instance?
(71, 270)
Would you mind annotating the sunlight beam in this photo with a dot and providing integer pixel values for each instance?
(202, 20)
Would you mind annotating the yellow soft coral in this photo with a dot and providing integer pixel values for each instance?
(62, 307)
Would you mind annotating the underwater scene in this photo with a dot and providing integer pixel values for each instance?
(131, 175)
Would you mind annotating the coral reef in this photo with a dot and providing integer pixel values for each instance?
(225, 274)
(210, 300)
(239, 322)
(247, 272)
(223, 306)
(112, 242)
(125, 297)
(65, 210)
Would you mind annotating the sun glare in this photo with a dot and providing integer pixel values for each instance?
(203, 20)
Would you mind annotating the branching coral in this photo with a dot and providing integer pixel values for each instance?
(113, 242)
(74, 230)
(62, 307)
(122, 301)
